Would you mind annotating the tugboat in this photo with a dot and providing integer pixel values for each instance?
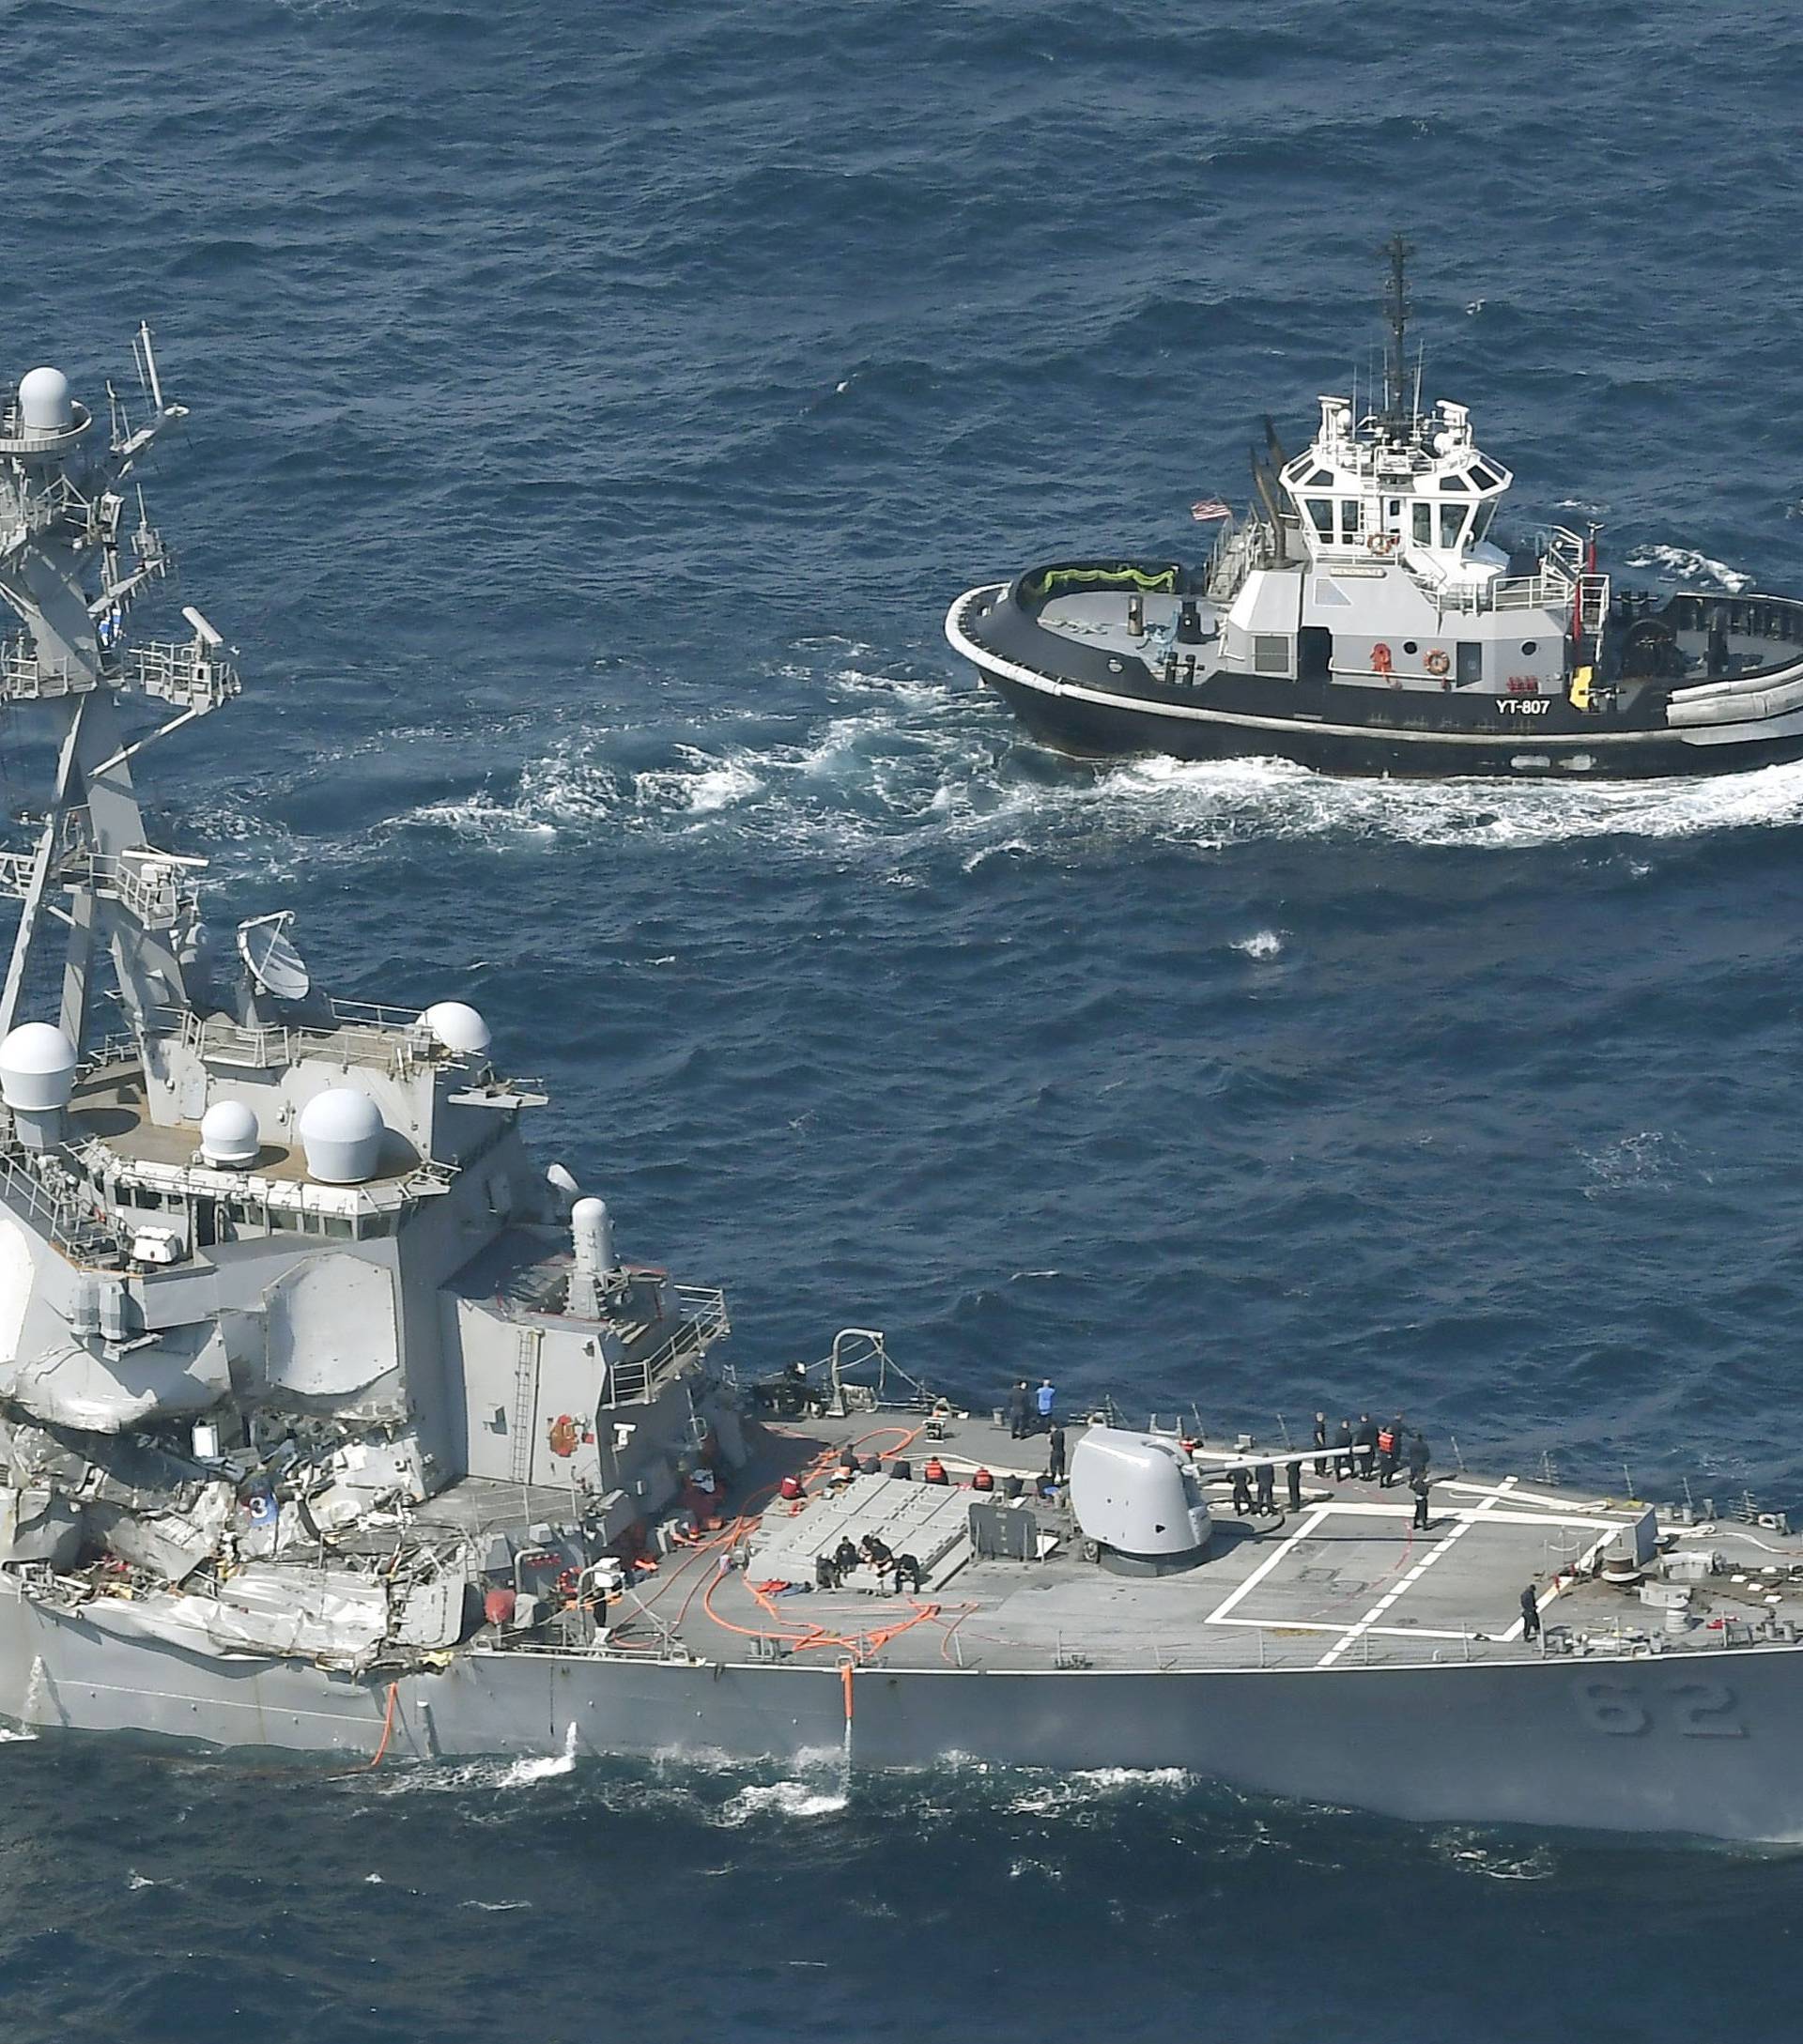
(1362, 618)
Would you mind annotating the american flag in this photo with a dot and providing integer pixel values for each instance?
(1206, 509)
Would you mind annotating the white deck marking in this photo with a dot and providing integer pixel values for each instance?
(1270, 1562)
(1544, 1597)
(1467, 1521)
(1328, 1625)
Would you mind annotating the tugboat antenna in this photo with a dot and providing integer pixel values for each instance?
(1396, 307)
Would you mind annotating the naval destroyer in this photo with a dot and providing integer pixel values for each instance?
(1368, 616)
(332, 1420)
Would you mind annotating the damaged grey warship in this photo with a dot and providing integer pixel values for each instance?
(331, 1420)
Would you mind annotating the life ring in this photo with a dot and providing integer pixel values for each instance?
(1437, 663)
(1381, 542)
(568, 1582)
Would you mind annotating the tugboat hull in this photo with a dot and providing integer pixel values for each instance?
(1095, 702)
(1070, 722)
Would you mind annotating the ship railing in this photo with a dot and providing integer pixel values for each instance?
(25, 677)
(1238, 550)
(65, 1218)
(261, 1047)
(120, 1048)
(186, 674)
(375, 1014)
(703, 1320)
(151, 886)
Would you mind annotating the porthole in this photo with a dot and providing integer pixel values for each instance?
(1409, 646)
(1530, 645)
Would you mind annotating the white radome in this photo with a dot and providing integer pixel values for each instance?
(458, 1027)
(44, 402)
(341, 1131)
(37, 1068)
(229, 1134)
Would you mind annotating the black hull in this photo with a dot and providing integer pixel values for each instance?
(1091, 730)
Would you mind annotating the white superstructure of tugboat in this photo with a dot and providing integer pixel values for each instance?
(1364, 618)
(331, 1420)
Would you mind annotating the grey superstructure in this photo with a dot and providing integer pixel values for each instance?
(331, 1420)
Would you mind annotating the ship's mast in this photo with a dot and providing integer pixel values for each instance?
(1395, 313)
(68, 571)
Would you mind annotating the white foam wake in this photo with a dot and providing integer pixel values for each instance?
(781, 1799)
(1684, 564)
(897, 772)
(523, 1773)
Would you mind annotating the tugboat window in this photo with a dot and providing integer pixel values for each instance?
(1321, 510)
(1424, 524)
(1271, 652)
(1409, 646)
(1349, 517)
(1453, 482)
(1530, 645)
(1452, 518)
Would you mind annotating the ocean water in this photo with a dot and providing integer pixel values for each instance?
(595, 410)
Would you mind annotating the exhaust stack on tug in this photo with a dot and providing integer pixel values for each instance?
(1139, 1498)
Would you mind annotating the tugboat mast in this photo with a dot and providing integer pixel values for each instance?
(1395, 355)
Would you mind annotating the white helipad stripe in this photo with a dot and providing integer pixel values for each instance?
(1327, 1625)
(1545, 1596)
(1265, 1567)
(1466, 1522)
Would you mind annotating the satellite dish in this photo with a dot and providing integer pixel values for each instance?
(274, 963)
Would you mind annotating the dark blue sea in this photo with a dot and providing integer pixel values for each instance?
(595, 408)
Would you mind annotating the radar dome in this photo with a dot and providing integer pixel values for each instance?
(458, 1027)
(229, 1135)
(44, 403)
(341, 1131)
(37, 1068)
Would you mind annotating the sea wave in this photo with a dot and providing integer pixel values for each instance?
(1684, 564)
